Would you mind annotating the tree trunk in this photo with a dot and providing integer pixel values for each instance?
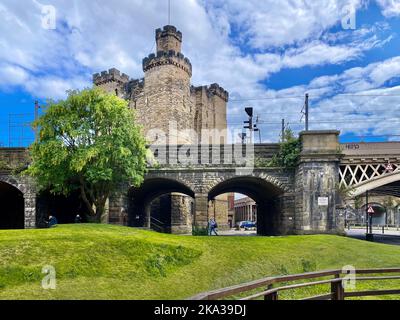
(98, 213)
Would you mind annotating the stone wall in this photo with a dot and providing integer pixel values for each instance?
(166, 106)
(27, 187)
(164, 99)
(218, 210)
(181, 214)
(317, 179)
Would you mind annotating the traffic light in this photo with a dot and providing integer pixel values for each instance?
(250, 123)
(249, 111)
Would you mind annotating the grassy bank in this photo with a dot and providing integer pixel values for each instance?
(110, 262)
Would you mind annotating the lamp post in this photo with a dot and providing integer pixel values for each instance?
(368, 215)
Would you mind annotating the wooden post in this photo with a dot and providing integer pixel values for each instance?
(337, 290)
(272, 296)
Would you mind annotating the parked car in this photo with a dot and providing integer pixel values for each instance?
(246, 225)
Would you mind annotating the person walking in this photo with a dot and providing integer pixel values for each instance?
(212, 227)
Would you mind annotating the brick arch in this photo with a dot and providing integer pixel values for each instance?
(275, 182)
(13, 197)
(176, 178)
(12, 181)
(139, 202)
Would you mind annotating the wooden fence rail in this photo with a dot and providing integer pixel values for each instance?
(270, 287)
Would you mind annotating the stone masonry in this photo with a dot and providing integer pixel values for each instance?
(170, 109)
(166, 104)
(288, 200)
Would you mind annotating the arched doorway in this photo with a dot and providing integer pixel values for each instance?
(266, 195)
(379, 215)
(64, 208)
(12, 207)
(162, 204)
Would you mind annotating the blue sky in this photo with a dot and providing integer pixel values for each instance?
(267, 54)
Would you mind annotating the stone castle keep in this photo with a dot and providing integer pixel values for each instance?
(166, 95)
(172, 111)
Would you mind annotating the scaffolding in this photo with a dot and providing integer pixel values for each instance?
(20, 130)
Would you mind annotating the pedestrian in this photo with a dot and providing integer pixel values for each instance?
(212, 227)
(52, 221)
(78, 219)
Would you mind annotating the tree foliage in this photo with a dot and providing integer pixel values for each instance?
(289, 151)
(88, 142)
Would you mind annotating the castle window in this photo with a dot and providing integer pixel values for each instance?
(116, 92)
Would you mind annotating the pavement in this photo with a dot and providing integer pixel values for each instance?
(240, 233)
(391, 236)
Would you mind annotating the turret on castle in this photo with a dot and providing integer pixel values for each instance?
(165, 98)
(172, 111)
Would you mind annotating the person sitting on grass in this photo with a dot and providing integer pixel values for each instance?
(78, 219)
(52, 221)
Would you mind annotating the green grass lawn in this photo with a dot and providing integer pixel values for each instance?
(110, 262)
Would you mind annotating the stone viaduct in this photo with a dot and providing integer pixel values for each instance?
(300, 200)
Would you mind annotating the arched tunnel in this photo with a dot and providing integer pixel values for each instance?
(64, 208)
(140, 200)
(265, 194)
(12, 207)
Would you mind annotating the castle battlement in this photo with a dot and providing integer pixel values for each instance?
(135, 87)
(167, 57)
(109, 76)
(168, 31)
(214, 90)
(136, 83)
(169, 38)
(165, 93)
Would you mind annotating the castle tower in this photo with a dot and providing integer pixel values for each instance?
(168, 39)
(112, 81)
(170, 110)
(166, 104)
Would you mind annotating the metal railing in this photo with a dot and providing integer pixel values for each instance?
(272, 286)
(157, 225)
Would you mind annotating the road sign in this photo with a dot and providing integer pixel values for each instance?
(371, 210)
(389, 167)
(323, 201)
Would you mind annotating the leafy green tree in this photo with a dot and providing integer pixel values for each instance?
(289, 151)
(88, 142)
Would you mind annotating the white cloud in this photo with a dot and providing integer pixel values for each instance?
(12, 75)
(390, 8)
(318, 53)
(235, 43)
(385, 71)
(267, 23)
(97, 35)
